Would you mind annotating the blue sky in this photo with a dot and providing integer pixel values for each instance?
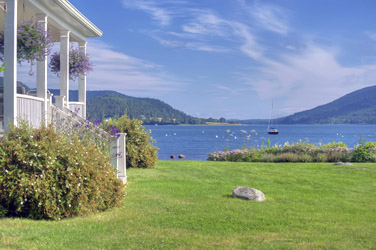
(230, 58)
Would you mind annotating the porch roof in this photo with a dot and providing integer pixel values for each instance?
(64, 16)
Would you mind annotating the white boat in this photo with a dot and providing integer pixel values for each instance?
(272, 129)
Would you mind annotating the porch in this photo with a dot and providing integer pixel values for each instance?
(67, 25)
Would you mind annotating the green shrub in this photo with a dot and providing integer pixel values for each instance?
(338, 154)
(301, 152)
(334, 145)
(268, 157)
(298, 148)
(3, 211)
(305, 158)
(286, 157)
(45, 175)
(140, 152)
(321, 157)
(364, 152)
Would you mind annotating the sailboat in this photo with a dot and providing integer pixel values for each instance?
(272, 130)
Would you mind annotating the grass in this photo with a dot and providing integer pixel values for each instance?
(188, 205)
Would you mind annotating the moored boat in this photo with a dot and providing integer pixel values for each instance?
(272, 130)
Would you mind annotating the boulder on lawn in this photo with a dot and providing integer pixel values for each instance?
(342, 164)
(247, 193)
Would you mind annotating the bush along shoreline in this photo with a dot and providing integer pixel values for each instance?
(300, 152)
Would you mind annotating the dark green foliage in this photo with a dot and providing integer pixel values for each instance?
(365, 152)
(3, 211)
(358, 107)
(149, 110)
(103, 104)
(43, 175)
(140, 152)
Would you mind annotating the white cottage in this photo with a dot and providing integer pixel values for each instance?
(67, 25)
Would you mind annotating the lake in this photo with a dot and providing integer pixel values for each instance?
(195, 142)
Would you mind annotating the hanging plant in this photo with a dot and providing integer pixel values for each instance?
(33, 43)
(79, 63)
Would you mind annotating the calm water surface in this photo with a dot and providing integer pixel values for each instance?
(195, 142)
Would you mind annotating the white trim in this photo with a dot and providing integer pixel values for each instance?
(76, 103)
(76, 14)
(59, 13)
(30, 97)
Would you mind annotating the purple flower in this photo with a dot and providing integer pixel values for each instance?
(97, 122)
(33, 43)
(79, 63)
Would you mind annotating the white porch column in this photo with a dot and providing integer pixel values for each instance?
(64, 65)
(42, 72)
(118, 152)
(122, 160)
(10, 59)
(82, 82)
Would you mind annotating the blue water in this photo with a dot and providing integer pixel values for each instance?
(195, 142)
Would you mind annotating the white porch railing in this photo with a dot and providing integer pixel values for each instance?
(30, 108)
(67, 120)
(77, 107)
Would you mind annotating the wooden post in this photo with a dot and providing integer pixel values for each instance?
(64, 65)
(82, 83)
(118, 156)
(10, 59)
(42, 72)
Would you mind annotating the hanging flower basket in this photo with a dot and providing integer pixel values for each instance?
(33, 43)
(79, 63)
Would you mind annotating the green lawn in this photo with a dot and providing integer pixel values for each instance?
(188, 205)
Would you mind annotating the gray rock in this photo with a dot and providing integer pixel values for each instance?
(248, 193)
(342, 164)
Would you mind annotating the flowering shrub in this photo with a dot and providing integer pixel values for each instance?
(43, 175)
(301, 152)
(232, 155)
(365, 152)
(33, 43)
(140, 152)
(79, 63)
(85, 130)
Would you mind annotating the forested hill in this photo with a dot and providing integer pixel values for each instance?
(358, 107)
(147, 109)
(105, 104)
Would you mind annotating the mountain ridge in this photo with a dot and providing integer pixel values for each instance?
(357, 107)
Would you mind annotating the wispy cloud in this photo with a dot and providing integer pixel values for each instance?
(183, 44)
(269, 17)
(205, 22)
(115, 71)
(296, 69)
(308, 78)
(123, 73)
(249, 46)
(162, 15)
